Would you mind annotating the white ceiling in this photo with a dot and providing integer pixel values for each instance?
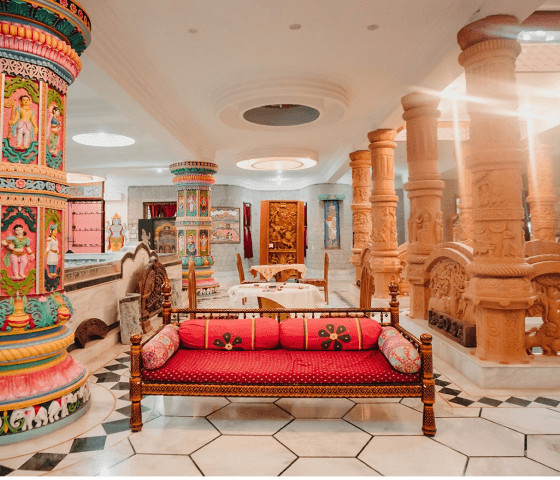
(147, 77)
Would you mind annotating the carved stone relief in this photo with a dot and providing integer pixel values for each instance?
(385, 226)
(282, 227)
(547, 306)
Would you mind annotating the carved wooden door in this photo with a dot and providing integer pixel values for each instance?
(282, 238)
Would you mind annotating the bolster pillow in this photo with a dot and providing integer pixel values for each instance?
(400, 353)
(329, 333)
(236, 334)
(160, 348)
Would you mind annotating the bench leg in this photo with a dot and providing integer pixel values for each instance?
(428, 386)
(135, 384)
(429, 420)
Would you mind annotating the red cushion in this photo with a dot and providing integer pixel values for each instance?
(329, 333)
(235, 334)
(278, 367)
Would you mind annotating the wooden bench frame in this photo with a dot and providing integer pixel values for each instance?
(424, 388)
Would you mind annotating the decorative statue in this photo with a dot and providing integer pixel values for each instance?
(22, 122)
(203, 243)
(116, 234)
(191, 202)
(19, 249)
(52, 251)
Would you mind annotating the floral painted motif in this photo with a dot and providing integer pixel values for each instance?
(226, 343)
(334, 336)
(400, 353)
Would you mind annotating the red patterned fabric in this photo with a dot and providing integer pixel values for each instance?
(399, 351)
(158, 350)
(237, 334)
(278, 367)
(329, 333)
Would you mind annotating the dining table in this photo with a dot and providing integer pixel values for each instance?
(289, 295)
(280, 271)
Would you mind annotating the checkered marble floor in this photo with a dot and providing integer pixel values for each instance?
(218, 436)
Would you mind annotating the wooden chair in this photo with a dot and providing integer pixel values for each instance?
(321, 282)
(242, 273)
(192, 286)
(267, 303)
(367, 287)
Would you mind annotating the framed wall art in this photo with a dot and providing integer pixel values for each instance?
(225, 225)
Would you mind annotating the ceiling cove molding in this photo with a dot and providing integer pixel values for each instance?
(277, 152)
(330, 98)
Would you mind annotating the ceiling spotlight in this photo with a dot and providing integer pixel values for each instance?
(193, 30)
(295, 26)
(160, 170)
(103, 140)
(278, 182)
(279, 170)
(372, 27)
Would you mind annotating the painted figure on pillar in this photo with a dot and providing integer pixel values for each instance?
(203, 242)
(116, 234)
(181, 243)
(23, 123)
(55, 126)
(203, 203)
(19, 250)
(181, 203)
(191, 203)
(191, 243)
(53, 226)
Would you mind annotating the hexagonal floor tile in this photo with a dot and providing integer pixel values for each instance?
(375, 400)
(525, 420)
(544, 449)
(322, 438)
(250, 419)
(508, 467)
(154, 465)
(409, 456)
(386, 419)
(328, 467)
(442, 409)
(316, 407)
(234, 455)
(173, 435)
(188, 406)
(252, 399)
(477, 437)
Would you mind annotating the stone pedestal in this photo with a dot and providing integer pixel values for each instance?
(499, 286)
(194, 223)
(541, 199)
(425, 224)
(361, 206)
(130, 314)
(384, 255)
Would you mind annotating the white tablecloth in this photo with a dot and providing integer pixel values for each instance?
(289, 295)
(268, 271)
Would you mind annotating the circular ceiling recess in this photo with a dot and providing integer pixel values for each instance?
(269, 159)
(282, 115)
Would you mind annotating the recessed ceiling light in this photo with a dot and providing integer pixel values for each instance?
(103, 140)
(372, 27)
(160, 170)
(83, 178)
(193, 30)
(295, 26)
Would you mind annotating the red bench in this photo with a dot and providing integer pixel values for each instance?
(280, 372)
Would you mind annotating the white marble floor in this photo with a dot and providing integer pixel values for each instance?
(213, 436)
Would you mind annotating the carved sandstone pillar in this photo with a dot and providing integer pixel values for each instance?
(384, 260)
(361, 206)
(42, 388)
(466, 231)
(499, 286)
(424, 187)
(541, 197)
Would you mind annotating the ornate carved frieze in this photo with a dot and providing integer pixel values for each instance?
(457, 330)
(547, 306)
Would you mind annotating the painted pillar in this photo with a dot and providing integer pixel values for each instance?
(541, 199)
(499, 286)
(466, 229)
(424, 187)
(384, 261)
(194, 223)
(361, 206)
(41, 387)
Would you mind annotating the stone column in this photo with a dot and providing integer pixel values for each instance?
(361, 206)
(541, 197)
(384, 262)
(499, 286)
(424, 187)
(42, 387)
(194, 223)
(466, 231)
